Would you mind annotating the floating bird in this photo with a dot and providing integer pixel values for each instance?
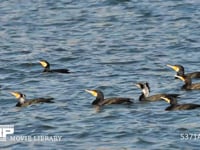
(100, 101)
(180, 71)
(188, 83)
(46, 66)
(175, 106)
(146, 91)
(22, 100)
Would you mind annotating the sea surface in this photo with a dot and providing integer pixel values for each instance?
(108, 45)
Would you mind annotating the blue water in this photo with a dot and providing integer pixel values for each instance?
(108, 45)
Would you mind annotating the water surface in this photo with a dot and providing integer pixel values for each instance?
(108, 45)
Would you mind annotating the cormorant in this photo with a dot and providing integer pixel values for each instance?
(46, 66)
(22, 100)
(188, 83)
(146, 90)
(180, 71)
(100, 101)
(175, 106)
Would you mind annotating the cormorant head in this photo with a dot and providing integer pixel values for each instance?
(177, 68)
(169, 99)
(98, 94)
(21, 97)
(45, 64)
(140, 85)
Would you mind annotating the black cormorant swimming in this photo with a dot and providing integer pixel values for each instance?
(22, 100)
(100, 101)
(46, 67)
(175, 106)
(188, 83)
(146, 91)
(180, 71)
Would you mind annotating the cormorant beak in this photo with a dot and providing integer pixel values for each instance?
(180, 77)
(92, 92)
(16, 94)
(43, 63)
(166, 99)
(175, 68)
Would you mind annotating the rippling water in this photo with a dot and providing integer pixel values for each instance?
(108, 45)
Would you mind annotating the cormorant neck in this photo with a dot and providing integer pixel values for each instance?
(99, 99)
(173, 102)
(22, 100)
(188, 83)
(180, 73)
(172, 105)
(142, 97)
(145, 91)
(46, 69)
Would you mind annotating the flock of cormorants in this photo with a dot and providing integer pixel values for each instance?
(22, 97)
(145, 88)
